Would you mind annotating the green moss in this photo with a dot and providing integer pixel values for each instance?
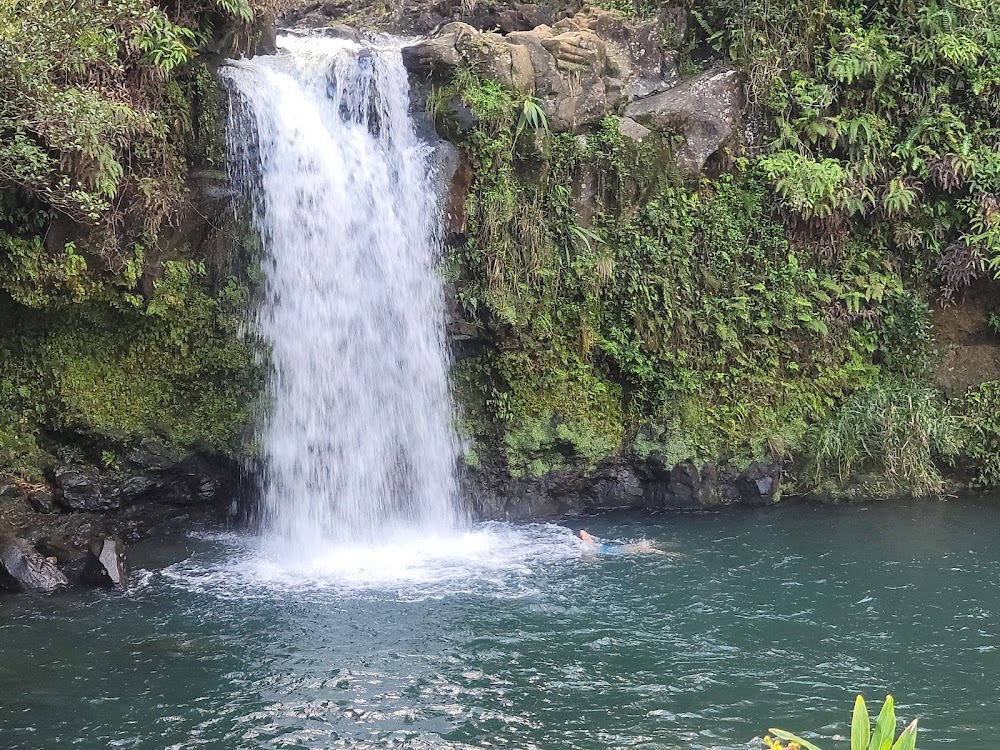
(115, 320)
(555, 414)
(204, 99)
(670, 440)
(175, 367)
(872, 111)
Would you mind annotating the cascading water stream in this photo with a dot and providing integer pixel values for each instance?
(358, 443)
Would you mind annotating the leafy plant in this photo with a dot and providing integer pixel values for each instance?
(870, 107)
(238, 9)
(863, 735)
(532, 115)
(164, 44)
(781, 308)
(103, 109)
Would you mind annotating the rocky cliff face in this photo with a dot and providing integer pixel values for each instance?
(594, 290)
(152, 490)
(616, 484)
(579, 70)
(593, 64)
(724, 288)
(584, 69)
(123, 408)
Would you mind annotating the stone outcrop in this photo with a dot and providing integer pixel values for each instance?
(150, 490)
(418, 17)
(149, 470)
(106, 565)
(579, 65)
(580, 69)
(24, 569)
(705, 109)
(622, 483)
(585, 67)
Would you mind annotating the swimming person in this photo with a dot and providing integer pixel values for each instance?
(643, 547)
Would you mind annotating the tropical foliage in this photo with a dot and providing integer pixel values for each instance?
(897, 431)
(863, 735)
(878, 113)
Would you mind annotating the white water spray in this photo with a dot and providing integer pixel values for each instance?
(358, 444)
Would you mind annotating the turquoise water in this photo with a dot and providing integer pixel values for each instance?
(515, 637)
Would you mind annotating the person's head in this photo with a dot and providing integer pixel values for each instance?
(582, 533)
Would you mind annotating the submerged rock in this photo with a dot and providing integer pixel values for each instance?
(23, 568)
(106, 565)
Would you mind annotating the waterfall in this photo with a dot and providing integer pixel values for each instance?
(357, 443)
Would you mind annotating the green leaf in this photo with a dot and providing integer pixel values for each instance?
(885, 726)
(861, 729)
(908, 739)
(782, 734)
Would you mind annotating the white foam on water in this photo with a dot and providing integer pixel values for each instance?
(491, 559)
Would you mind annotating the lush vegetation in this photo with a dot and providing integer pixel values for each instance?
(879, 113)
(863, 736)
(118, 314)
(782, 309)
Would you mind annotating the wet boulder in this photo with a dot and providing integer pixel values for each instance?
(720, 481)
(78, 489)
(758, 484)
(615, 485)
(81, 490)
(520, 17)
(439, 54)
(342, 31)
(687, 490)
(10, 489)
(43, 500)
(106, 565)
(186, 486)
(59, 546)
(23, 568)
